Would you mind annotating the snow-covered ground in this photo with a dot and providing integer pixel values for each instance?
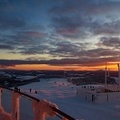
(20, 77)
(63, 93)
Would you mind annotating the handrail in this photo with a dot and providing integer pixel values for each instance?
(36, 99)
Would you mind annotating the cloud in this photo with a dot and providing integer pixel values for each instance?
(34, 34)
(34, 49)
(67, 49)
(101, 52)
(6, 47)
(61, 62)
(113, 42)
(68, 26)
(82, 18)
(62, 30)
(25, 42)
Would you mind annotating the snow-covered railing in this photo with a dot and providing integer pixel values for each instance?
(41, 108)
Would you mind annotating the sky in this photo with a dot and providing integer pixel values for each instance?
(59, 34)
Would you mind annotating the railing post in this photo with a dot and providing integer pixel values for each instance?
(15, 106)
(42, 109)
(0, 96)
(36, 110)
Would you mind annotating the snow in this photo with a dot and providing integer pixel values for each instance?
(63, 94)
(27, 77)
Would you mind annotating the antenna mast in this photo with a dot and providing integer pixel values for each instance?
(106, 74)
(119, 74)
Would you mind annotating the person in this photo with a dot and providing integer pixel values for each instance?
(30, 90)
(36, 91)
(16, 88)
(19, 89)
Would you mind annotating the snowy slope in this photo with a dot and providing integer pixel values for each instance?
(63, 93)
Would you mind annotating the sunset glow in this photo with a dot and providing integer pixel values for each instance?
(67, 68)
(59, 35)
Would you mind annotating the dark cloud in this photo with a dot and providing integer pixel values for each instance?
(101, 52)
(111, 28)
(77, 19)
(67, 49)
(35, 49)
(15, 41)
(78, 62)
(81, 50)
(30, 42)
(6, 47)
(34, 34)
(69, 26)
(113, 42)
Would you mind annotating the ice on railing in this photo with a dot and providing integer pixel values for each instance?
(64, 118)
(4, 115)
(15, 106)
(0, 95)
(42, 109)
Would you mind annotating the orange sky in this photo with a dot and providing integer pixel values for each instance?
(72, 67)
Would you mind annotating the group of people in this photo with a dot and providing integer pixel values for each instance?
(18, 89)
(31, 91)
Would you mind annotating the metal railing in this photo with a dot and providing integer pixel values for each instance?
(60, 114)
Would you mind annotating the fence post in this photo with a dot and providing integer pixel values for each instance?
(15, 106)
(0, 96)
